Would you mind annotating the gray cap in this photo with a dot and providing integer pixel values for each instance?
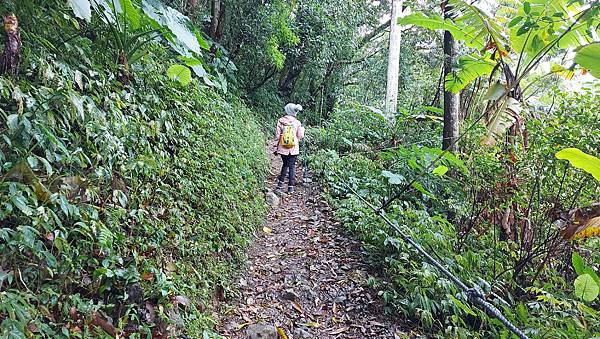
(292, 109)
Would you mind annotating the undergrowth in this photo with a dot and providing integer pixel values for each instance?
(455, 212)
(122, 209)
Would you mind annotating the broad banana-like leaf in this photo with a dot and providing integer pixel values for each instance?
(184, 37)
(495, 91)
(436, 22)
(501, 120)
(132, 13)
(588, 57)
(82, 9)
(476, 22)
(581, 160)
(469, 68)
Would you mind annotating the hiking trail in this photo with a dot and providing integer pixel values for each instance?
(305, 276)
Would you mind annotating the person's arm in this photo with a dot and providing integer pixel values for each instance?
(300, 132)
(278, 131)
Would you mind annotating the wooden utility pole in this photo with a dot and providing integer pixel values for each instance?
(451, 100)
(391, 97)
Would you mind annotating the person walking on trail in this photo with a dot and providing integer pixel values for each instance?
(288, 133)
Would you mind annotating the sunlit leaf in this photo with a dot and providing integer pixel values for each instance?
(82, 9)
(588, 57)
(581, 160)
(180, 73)
(393, 178)
(440, 170)
(468, 69)
(586, 288)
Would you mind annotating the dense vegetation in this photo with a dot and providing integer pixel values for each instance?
(130, 203)
(132, 157)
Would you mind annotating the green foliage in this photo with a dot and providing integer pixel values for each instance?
(180, 73)
(116, 203)
(579, 159)
(588, 57)
(468, 69)
(440, 213)
(586, 288)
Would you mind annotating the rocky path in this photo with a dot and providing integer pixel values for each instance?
(305, 278)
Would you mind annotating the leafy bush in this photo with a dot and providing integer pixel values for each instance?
(122, 209)
(453, 212)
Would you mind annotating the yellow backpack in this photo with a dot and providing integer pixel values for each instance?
(288, 137)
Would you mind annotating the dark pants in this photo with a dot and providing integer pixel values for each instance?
(289, 163)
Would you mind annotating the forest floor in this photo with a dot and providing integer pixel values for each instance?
(305, 277)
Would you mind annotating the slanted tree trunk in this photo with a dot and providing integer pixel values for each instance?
(451, 100)
(391, 97)
(11, 56)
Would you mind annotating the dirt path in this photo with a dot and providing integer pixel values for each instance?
(305, 276)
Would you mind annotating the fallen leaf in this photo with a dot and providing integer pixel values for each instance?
(312, 324)
(340, 330)
(297, 307)
(241, 326)
(147, 276)
(267, 230)
(281, 333)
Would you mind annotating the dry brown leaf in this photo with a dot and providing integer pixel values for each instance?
(297, 307)
(147, 276)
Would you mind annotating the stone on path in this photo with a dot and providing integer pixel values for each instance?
(261, 331)
(272, 199)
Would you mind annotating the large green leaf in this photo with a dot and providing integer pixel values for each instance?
(578, 263)
(131, 12)
(588, 57)
(180, 73)
(586, 288)
(82, 9)
(581, 160)
(440, 170)
(436, 22)
(468, 69)
(478, 23)
(184, 37)
(393, 178)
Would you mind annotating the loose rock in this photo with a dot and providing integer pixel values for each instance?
(261, 331)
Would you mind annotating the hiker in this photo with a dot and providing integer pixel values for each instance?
(288, 133)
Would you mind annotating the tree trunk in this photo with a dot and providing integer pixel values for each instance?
(451, 100)
(216, 13)
(11, 56)
(391, 97)
(124, 74)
